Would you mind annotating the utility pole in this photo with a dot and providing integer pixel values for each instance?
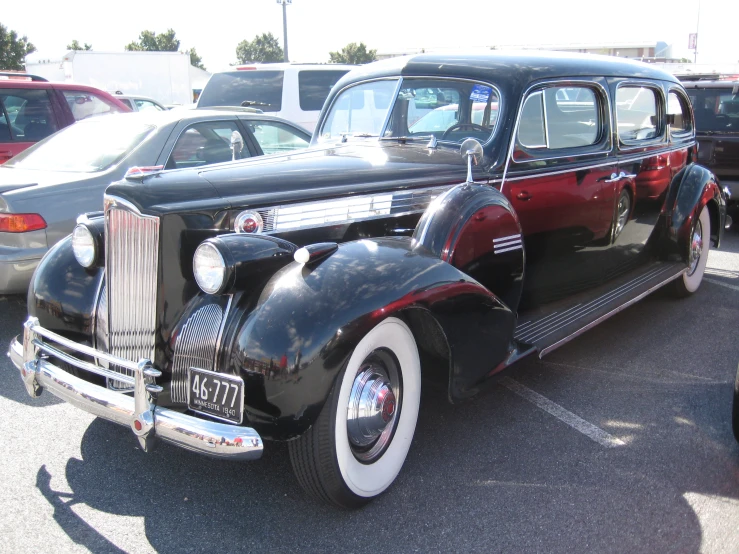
(284, 26)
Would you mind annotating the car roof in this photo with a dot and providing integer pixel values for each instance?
(523, 66)
(283, 66)
(161, 118)
(727, 84)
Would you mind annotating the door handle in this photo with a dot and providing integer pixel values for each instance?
(617, 177)
(523, 195)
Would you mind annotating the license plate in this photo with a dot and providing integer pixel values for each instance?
(215, 394)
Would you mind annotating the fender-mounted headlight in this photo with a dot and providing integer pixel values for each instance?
(209, 268)
(83, 244)
(239, 261)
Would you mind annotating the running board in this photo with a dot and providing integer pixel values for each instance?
(560, 322)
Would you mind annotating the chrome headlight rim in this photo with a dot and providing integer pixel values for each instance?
(84, 246)
(208, 283)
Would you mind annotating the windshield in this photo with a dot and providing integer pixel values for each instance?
(447, 109)
(257, 89)
(715, 109)
(85, 147)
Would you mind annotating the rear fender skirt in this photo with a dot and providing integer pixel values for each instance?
(474, 228)
(291, 341)
(63, 294)
(692, 189)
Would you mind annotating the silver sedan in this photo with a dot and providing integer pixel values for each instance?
(45, 188)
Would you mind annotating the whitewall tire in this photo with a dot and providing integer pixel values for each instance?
(360, 441)
(700, 244)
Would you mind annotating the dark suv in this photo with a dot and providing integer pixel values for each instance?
(716, 108)
(31, 109)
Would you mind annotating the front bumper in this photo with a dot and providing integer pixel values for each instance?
(147, 420)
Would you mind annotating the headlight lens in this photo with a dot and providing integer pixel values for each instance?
(83, 245)
(209, 268)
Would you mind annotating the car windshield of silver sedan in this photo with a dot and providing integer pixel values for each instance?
(85, 147)
(447, 109)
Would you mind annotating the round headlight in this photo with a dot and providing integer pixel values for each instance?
(83, 245)
(209, 268)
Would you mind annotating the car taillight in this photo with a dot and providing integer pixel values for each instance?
(21, 223)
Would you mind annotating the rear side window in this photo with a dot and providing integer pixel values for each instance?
(84, 104)
(560, 117)
(314, 86)
(30, 116)
(256, 89)
(637, 113)
(679, 112)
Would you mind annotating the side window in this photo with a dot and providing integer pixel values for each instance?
(314, 86)
(30, 115)
(144, 105)
(126, 101)
(274, 137)
(85, 104)
(677, 108)
(205, 143)
(560, 117)
(637, 113)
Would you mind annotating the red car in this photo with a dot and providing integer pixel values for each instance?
(31, 109)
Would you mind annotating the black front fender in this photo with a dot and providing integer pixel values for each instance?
(298, 337)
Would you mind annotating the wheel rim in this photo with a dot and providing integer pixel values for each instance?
(373, 406)
(696, 247)
(623, 213)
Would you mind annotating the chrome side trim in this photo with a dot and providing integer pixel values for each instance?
(350, 209)
(139, 411)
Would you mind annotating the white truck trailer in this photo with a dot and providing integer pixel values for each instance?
(166, 77)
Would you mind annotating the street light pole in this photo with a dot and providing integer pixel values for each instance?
(284, 26)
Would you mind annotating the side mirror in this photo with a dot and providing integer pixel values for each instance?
(472, 150)
(237, 145)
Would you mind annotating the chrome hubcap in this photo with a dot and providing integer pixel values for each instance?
(696, 247)
(373, 407)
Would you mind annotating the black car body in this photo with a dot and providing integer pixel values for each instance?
(368, 261)
(716, 109)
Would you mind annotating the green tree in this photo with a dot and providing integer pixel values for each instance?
(264, 48)
(149, 41)
(353, 53)
(77, 46)
(13, 50)
(195, 60)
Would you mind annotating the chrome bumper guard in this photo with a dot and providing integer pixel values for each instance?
(147, 420)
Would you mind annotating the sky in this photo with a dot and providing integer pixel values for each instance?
(316, 27)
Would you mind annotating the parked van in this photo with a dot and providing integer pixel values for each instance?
(295, 92)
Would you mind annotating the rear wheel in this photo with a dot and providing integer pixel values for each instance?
(359, 442)
(700, 241)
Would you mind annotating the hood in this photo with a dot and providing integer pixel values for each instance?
(315, 173)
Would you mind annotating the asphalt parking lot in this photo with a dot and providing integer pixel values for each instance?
(618, 442)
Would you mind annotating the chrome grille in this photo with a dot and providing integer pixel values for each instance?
(195, 347)
(131, 260)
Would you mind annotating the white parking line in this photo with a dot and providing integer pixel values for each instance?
(715, 282)
(588, 429)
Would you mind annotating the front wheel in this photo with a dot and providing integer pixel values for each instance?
(700, 241)
(359, 442)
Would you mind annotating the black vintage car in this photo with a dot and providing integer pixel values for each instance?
(305, 297)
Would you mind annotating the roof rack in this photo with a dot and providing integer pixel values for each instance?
(21, 75)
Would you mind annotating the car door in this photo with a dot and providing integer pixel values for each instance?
(204, 142)
(26, 117)
(557, 183)
(275, 137)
